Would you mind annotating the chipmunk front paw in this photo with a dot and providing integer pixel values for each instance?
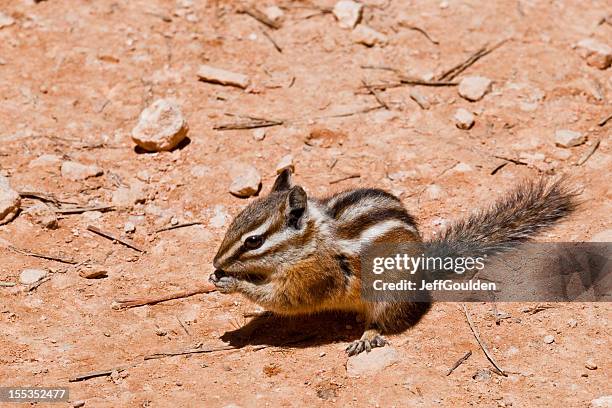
(223, 282)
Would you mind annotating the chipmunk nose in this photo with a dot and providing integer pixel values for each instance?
(216, 275)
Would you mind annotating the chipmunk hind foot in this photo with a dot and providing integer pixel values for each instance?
(370, 339)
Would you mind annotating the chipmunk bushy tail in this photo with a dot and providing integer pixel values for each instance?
(529, 208)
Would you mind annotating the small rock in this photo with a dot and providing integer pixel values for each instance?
(365, 35)
(597, 54)
(274, 14)
(370, 363)
(464, 119)
(5, 20)
(259, 134)
(160, 332)
(286, 162)
(45, 160)
(161, 127)
(573, 323)
(78, 404)
(43, 215)
(214, 75)
(348, 13)
(247, 184)
(549, 339)
(568, 138)
(129, 227)
(78, 171)
(482, 375)
(174, 221)
(473, 88)
(602, 236)
(30, 276)
(590, 365)
(10, 201)
(602, 402)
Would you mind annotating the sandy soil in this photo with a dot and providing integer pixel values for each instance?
(75, 75)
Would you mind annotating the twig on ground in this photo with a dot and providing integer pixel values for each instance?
(420, 99)
(379, 67)
(420, 30)
(183, 326)
(605, 120)
(422, 82)
(459, 68)
(43, 256)
(482, 345)
(510, 160)
(588, 153)
(459, 362)
(187, 224)
(259, 16)
(274, 43)
(79, 210)
(375, 94)
(498, 168)
(188, 351)
(112, 237)
(248, 122)
(129, 303)
(49, 198)
(537, 308)
(350, 176)
(95, 374)
(357, 112)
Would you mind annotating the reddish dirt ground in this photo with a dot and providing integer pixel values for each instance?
(75, 75)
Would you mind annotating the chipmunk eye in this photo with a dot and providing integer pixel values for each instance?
(253, 242)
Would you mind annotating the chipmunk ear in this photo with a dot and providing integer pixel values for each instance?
(297, 201)
(283, 181)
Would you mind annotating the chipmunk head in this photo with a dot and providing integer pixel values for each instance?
(266, 234)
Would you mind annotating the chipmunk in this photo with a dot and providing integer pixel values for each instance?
(294, 254)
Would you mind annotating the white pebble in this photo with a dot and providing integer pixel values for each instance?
(464, 119)
(129, 227)
(214, 75)
(596, 54)
(247, 183)
(161, 127)
(365, 35)
(10, 201)
(473, 88)
(79, 171)
(30, 276)
(259, 134)
(348, 13)
(549, 339)
(568, 138)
